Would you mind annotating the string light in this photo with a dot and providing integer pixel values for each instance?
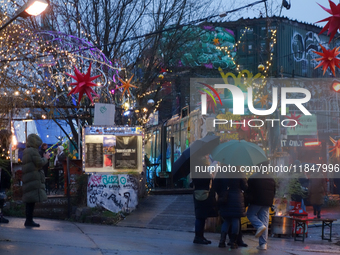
(147, 93)
(229, 51)
(261, 87)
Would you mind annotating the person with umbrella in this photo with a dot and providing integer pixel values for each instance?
(230, 204)
(204, 198)
(235, 153)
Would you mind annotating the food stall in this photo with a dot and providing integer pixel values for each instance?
(114, 159)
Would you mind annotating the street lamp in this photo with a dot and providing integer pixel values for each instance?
(336, 86)
(31, 8)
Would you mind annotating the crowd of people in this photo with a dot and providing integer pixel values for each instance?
(233, 196)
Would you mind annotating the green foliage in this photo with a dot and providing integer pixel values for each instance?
(15, 210)
(288, 187)
(294, 188)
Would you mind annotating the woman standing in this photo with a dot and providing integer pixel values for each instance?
(231, 206)
(204, 201)
(33, 177)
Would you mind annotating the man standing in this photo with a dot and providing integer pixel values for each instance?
(260, 194)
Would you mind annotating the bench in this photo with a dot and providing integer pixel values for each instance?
(302, 223)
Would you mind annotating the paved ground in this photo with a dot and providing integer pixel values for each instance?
(167, 212)
(161, 225)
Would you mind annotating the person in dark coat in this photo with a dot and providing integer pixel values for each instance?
(317, 190)
(58, 165)
(33, 177)
(42, 151)
(204, 201)
(231, 206)
(260, 194)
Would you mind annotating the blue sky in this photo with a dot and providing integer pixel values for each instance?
(302, 10)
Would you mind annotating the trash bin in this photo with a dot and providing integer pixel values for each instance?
(298, 212)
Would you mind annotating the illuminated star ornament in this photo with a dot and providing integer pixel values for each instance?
(335, 148)
(216, 41)
(328, 59)
(126, 85)
(263, 101)
(83, 84)
(291, 119)
(333, 23)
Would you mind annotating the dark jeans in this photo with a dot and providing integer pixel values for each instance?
(317, 209)
(199, 225)
(239, 236)
(233, 222)
(29, 211)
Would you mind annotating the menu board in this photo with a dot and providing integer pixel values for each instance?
(94, 155)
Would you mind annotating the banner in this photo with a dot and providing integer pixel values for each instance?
(126, 152)
(308, 126)
(104, 114)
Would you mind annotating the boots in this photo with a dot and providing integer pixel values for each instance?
(200, 239)
(222, 240)
(233, 239)
(239, 240)
(29, 216)
(319, 215)
(31, 224)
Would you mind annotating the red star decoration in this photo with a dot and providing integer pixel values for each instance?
(126, 85)
(83, 84)
(333, 23)
(163, 70)
(335, 148)
(210, 102)
(294, 117)
(328, 59)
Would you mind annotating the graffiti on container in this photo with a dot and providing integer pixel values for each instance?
(113, 192)
(303, 47)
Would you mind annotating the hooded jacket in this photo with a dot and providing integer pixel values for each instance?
(33, 177)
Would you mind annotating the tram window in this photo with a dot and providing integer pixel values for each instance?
(185, 111)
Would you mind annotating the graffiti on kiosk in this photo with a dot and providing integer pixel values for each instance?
(113, 192)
